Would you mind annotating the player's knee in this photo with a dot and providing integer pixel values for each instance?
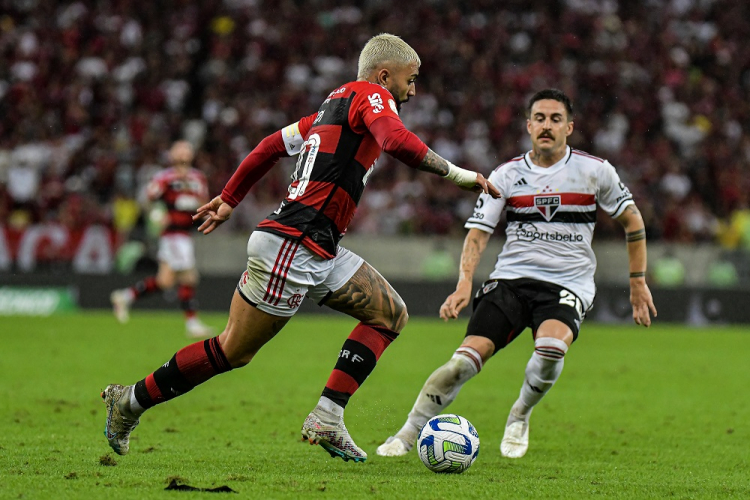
(393, 318)
(455, 372)
(238, 356)
(189, 278)
(165, 282)
(399, 316)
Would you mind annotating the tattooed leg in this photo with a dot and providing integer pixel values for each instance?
(368, 297)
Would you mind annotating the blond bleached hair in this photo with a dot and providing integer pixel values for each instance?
(385, 48)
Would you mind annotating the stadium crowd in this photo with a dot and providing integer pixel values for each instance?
(93, 92)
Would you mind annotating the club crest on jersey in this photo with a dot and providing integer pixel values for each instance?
(547, 205)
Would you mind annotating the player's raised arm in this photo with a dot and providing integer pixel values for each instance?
(397, 141)
(285, 142)
(474, 245)
(640, 295)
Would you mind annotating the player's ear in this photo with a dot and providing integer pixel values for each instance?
(570, 128)
(384, 76)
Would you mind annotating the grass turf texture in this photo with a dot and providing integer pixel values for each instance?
(637, 414)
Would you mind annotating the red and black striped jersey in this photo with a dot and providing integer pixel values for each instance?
(335, 162)
(182, 193)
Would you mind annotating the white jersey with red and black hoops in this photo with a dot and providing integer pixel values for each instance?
(551, 213)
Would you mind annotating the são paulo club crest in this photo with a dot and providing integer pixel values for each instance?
(547, 205)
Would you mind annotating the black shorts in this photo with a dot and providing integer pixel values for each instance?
(504, 308)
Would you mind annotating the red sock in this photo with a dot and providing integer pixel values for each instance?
(357, 359)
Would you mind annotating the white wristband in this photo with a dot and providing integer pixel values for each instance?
(460, 176)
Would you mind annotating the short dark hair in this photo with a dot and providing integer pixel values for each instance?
(554, 94)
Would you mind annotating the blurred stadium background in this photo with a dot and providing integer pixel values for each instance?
(92, 93)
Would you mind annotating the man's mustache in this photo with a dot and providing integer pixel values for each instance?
(546, 135)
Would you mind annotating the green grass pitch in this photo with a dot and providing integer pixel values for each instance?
(657, 413)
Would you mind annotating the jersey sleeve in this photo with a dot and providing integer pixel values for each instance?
(612, 195)
(288, 140)
(371, 103)
(488, 210)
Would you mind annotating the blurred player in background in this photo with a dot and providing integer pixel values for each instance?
(182, 189)
(295, 251)
(544, 276)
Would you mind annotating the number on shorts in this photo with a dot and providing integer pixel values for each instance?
(303, 177)
(569, 299)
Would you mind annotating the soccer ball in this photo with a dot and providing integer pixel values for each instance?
(448, 444)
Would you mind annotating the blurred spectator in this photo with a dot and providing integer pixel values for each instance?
(92, 93)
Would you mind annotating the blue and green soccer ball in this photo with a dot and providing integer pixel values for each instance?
(448, 444)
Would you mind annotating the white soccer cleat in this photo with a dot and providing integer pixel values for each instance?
(335, 439)
(515, 441)
(118, 426)
(196, 329)
(393, 447)
(121, 302)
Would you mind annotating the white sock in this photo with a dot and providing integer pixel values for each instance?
(542, 371)
(135, 407)
(330, 412)
(439, 391)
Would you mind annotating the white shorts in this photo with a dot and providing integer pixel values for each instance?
(281, 272)
(176, 250)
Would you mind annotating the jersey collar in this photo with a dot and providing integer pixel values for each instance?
(565, 159)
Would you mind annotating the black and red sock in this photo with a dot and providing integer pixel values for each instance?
(188, 368)
(144, 287)
(186, 295)
(357, 359)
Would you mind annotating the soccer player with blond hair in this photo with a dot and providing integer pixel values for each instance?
(294, 253)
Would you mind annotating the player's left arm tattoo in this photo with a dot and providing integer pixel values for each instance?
(632, 209)
(368, 297)
(434, 163)
(637, 235)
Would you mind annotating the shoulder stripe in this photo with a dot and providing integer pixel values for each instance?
(587, 155)
(517, 158)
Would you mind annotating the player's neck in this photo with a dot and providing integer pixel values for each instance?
(545, 160)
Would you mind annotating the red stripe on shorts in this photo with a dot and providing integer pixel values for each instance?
(286, 273)
(282, 270)
(276, 265)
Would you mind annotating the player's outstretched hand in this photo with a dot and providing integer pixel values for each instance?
(213, 214)
(642, 302)
(456, 301)
(482, 185)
